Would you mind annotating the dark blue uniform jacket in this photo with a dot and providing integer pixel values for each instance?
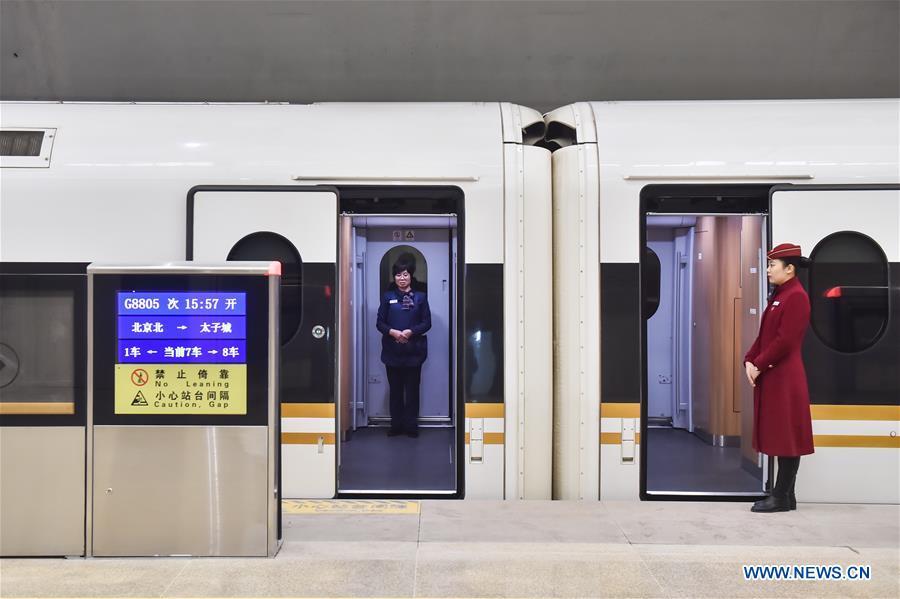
(393, 315)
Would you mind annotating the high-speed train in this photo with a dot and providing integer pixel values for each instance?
(591, 306)
(663, 213)
(336, 192)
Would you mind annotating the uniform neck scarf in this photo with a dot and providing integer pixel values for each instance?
(407, 300)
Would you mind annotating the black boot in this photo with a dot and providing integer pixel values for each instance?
(780, 499)
(772, 503)
(792, 498)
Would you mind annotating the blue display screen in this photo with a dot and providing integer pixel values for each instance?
(182, 327)
(181, 304)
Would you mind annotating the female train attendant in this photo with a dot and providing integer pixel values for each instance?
(782, 425)
(403, 319)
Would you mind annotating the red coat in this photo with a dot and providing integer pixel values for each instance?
(782, 425)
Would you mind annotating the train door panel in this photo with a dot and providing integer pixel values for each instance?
(430, 251)
(696, 416)
(298, 227)
(851, 234)
(696, 419)
(669, 327)
(682, 327)
(372, 462)
(660, 357)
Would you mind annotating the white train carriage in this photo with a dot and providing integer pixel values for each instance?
(336, 192)
(663, 212)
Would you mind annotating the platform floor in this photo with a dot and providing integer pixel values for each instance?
(508, 549)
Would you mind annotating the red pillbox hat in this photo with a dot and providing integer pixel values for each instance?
(785, 250)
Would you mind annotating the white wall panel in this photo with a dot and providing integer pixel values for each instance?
(799, 141)
(306, 473)
(484, 480)
(885, 428)
(619, 481)
(848, 475)
(308, 219)
(807, 217)
(117, 186)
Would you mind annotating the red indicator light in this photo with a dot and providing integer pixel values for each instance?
(833, 292)
(328, 291)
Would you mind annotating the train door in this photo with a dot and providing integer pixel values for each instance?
(703, 289)
(670, 243)
(851, 352)
(298, 227)
(370, 461)
(429, 252)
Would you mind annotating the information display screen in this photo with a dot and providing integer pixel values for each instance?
(181, 353)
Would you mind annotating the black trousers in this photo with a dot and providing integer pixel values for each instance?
(404, 382)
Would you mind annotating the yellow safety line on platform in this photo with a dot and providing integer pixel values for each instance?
(307, 410)
(835, 412)
(871, 441)
(349, 506)
(37, 407)
(307, 438)
(484, 410)
(620, 410)
(616, 438)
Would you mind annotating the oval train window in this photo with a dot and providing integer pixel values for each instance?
(410, 254)
(651, 272)
(265, 245)
(848, 285)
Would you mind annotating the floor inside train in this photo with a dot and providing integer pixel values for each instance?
(678, 460)
(370, 460)
(508, 549)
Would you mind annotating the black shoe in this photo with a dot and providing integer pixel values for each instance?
(394, 433)
(792, 501)
(412, 434)
(772, 503)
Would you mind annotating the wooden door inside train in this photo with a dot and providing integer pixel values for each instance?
(702, 291)
(298, 227)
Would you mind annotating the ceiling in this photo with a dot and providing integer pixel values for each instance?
(542, 54)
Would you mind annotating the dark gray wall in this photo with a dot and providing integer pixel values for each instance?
(542, 54)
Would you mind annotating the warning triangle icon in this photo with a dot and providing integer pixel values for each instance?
(139, 399)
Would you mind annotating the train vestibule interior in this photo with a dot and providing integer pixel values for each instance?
(369, 460)
(711, 293)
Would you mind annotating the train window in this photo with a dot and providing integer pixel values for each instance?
(409, 254)
(651, 271)
(21, 143)
(848, 283)
(38, 346)
(265, 245)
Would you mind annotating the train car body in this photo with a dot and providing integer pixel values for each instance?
(663, 212)
(323, 188)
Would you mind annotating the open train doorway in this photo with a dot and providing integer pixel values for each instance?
(375, 457)
(703, 291)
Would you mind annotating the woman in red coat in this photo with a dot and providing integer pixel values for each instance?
(782, 425)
